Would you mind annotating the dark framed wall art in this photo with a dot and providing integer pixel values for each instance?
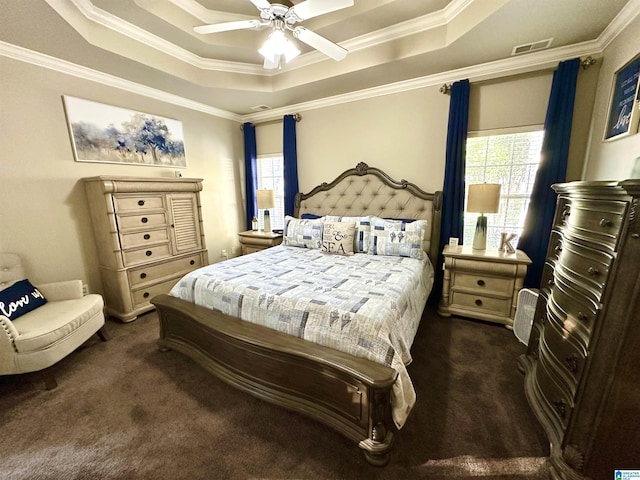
(624, 105)
(109, 134)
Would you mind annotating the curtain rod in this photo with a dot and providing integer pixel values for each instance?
(585, 63)
(296, 116)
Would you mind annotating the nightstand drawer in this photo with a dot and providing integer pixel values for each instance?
(482, 304)
(483, 283)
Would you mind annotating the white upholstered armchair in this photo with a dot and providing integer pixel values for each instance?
(37, 340)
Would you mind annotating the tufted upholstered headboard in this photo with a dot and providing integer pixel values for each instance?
(366, 190)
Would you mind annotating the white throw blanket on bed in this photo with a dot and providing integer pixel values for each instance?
(366, 305)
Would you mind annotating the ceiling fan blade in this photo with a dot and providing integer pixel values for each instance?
(227, 26)
(320, 43)
(261, 4)
(313, 8)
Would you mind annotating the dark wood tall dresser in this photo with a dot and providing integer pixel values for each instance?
(582, 366)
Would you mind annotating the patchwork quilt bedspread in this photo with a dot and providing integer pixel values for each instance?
(366, 305)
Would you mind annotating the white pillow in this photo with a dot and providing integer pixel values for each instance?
(397, 238)
(302, 233)
(337, 237)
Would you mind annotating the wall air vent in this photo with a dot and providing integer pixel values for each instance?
(260, 108)
(532, 47)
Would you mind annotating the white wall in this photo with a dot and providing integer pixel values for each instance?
(43, 208)
(612, 160)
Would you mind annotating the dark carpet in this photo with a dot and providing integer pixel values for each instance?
(125, 410)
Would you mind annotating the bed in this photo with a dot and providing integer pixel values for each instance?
(362, 394)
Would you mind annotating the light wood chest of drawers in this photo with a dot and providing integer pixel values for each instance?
(582, 367)
(482, 284)
(148, 233)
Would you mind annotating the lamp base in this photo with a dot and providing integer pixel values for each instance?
(267, 221)
(480, 237)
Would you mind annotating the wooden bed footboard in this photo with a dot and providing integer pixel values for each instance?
(351, 395)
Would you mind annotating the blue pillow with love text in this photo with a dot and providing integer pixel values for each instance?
(20, 298)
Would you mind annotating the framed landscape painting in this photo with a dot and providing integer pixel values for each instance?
(104, 133)
(624, 107)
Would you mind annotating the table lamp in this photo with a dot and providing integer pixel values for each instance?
(265, 200)
(483, 198)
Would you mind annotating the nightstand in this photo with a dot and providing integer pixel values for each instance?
(482, 284)
(252, 241)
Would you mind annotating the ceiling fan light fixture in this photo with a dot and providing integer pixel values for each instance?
(277, 45)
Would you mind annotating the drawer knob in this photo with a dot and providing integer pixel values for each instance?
(550, 282)
(566, 212)
(558, 247)
(145, 294)
(147, 236)
(481, 283)
(478, 302)
(572, 362)
(593, 271)
(143, 275)
(605, 222)
(192, 262)
(582, 316)
(141, 202)
(561, 408)
(144, 219)
(148, 253)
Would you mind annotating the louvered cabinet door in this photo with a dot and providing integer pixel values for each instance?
(186, 234)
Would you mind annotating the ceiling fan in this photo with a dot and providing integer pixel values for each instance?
(281, 17)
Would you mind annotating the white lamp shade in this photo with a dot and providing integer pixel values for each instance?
(484, 198)
(265, 199)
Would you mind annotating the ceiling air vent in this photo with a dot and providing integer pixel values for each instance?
(260, 108)
(532, 47)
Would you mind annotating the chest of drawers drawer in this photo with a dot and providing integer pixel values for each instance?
(138, 203)
(142, 296)
(586, 265)
(559, 401)
(144, 239)
(599, 220)
(145, 255)
(141, 220)
(154, 272)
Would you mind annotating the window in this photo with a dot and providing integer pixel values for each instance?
(512, 160)
(271, 177)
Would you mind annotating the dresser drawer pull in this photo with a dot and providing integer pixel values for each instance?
(478, 302)
(148, 253)
(561, 408)
(582, 316)
(144, 219)
(572, 362)
(593, 271)
(550, 282)
(558, 248)
(146, 236)
(145, 294)
(143, 275)
(605, 222)
(481, 283)
(141, 202)
(192, 262)
(566, 212)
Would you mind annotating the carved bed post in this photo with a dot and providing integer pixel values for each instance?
(377, 448)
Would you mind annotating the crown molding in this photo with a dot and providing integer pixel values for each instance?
(62, 66)
(537, 61)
